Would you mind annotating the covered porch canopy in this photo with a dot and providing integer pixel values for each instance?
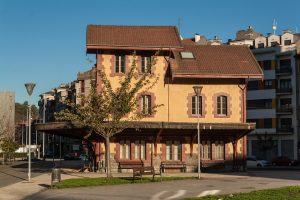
(228, 132)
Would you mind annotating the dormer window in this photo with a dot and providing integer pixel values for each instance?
(187, 55)
(287, 42)
(261, 45)
(274, 44)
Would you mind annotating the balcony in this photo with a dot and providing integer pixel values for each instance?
(282, 91)
(284, 109)
(285, 130)
(284, 70)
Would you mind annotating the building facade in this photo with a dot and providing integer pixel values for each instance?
(273, 104)
(179, 67)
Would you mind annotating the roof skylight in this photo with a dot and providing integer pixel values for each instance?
(187, 55)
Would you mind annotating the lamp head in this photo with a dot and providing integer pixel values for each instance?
(197, 90)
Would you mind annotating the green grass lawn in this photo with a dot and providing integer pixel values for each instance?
(285, 193)
(85, 182)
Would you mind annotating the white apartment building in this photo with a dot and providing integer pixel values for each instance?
(274, 103)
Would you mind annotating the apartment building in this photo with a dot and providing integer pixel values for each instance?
(274, 102)
(7, 113)
(170, 134)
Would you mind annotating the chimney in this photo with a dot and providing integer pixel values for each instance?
(197, 37)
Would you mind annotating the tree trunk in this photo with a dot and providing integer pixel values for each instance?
(107, 157)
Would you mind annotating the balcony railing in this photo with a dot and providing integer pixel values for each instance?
(284, 109)
(284, 90)
(286, 129)
(284, 70)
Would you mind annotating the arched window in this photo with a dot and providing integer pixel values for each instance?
(222, 105)
(196, 104)
(146, 104)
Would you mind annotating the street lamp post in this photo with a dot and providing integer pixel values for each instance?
(197, 90)
(29, 88)
(44, 121)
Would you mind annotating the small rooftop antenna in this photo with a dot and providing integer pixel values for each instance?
(274, 27)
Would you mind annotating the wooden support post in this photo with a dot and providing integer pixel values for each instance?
(234, 161)
(157, 140)
(244, 153)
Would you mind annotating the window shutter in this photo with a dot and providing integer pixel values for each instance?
(149, 108)
(121, 149)
(127, 149)
(148, 65)
(123, 64)
(194, 105)
(143, 150)
(143, 104)
(168, 150)
(117, 64)
(224, 105)
(200, 105)
(219, 105)
(137, 150)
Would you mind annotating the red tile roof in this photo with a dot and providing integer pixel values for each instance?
(219, 60)
(132, 36)
(210, 61)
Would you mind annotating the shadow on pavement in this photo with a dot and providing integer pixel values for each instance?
(36, 166)
(45, 185)
(267, 173)
(13, 175)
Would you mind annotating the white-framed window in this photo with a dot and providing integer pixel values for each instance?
(206, 150)
(173, 150)
(169, 150)
(124, 149)
(140, 150)
(196, 103)
(120, 64)
(222, 105)
(146, 64)
(177, 150)
(146, 104)
(219, 150)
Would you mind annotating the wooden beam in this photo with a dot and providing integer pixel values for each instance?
(157, 140)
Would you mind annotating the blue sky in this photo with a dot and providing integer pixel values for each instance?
(44, 41)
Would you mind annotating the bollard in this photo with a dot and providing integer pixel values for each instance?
(55, 176)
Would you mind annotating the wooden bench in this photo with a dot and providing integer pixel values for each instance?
(149, 170)
(130, 164)
(173, 165)
(208, 165)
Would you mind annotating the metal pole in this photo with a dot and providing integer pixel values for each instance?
(22, 138)
(29, 88)
(53, 147)
(59, 147)
(44, 120)
(29, 141)
(26, 130)
(198, 128)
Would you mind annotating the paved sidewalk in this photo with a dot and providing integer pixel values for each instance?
(22, 189)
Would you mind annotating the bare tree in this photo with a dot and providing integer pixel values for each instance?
(109, 111)
(7, 137)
